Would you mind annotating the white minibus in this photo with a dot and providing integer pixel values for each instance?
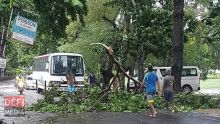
(52, 69)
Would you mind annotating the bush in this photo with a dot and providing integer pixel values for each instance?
(121, 101)
(196, 101)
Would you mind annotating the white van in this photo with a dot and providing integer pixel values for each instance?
(190, 80)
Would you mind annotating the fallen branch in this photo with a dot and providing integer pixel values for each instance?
(119, 68)
(105, 90)
(99, 100)
(110, 52)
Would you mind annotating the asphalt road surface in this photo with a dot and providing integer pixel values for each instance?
(135, 118)
(7, 88)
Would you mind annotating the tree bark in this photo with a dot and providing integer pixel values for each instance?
(1, 41)
(178, 38)
(106, 70)
(140, 66)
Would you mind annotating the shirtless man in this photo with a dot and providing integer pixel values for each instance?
(71, 82)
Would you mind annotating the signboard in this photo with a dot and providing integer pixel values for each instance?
(24, 30)
(14, 105)
(2, 63)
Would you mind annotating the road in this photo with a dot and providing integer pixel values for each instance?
(8, 88)
(136, 118)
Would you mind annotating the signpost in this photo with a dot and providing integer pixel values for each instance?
(24, 30)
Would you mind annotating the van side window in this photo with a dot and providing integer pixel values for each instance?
(162, 71)
(189, 72)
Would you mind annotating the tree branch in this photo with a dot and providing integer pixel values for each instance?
(119, 68)
(110, 52)
(105, 90)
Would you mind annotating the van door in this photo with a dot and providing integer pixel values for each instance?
(190, 78)
(161, 74)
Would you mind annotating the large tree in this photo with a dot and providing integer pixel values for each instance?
(178, 38)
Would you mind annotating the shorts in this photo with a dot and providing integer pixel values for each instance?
(168, 96)
(71, 88)
(150, 98)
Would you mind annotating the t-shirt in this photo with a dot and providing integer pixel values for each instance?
(150, 80)
(168, 83)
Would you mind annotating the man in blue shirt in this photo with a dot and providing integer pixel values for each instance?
(150, 81)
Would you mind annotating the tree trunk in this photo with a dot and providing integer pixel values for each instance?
(5, 32)
(1, 42)
(140, 66)
(106, 70)
(178, 37)
(127, 22)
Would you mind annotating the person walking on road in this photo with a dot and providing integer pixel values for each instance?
(150, 81)
(20, 83)
(168, 89)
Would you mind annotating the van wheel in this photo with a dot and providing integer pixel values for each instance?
(187, 88)
(39, 90)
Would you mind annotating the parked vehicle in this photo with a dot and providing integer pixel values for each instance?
(190, 80)
(30, 83)
(51, 69)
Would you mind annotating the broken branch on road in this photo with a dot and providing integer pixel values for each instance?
(119, 69)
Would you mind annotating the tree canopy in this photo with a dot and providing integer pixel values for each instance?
(139, 32)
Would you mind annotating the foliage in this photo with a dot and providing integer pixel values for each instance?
(94, 32)
(198, 53)
(149, 27)
(55, 14)
(121, 102)
(193, 101)
(211, 31)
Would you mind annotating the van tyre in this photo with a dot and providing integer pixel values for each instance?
(187, 88)
(38, 90)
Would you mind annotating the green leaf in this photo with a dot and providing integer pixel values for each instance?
(77, 3)
(3, 5)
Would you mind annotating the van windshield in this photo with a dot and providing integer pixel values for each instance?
(61, 64)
